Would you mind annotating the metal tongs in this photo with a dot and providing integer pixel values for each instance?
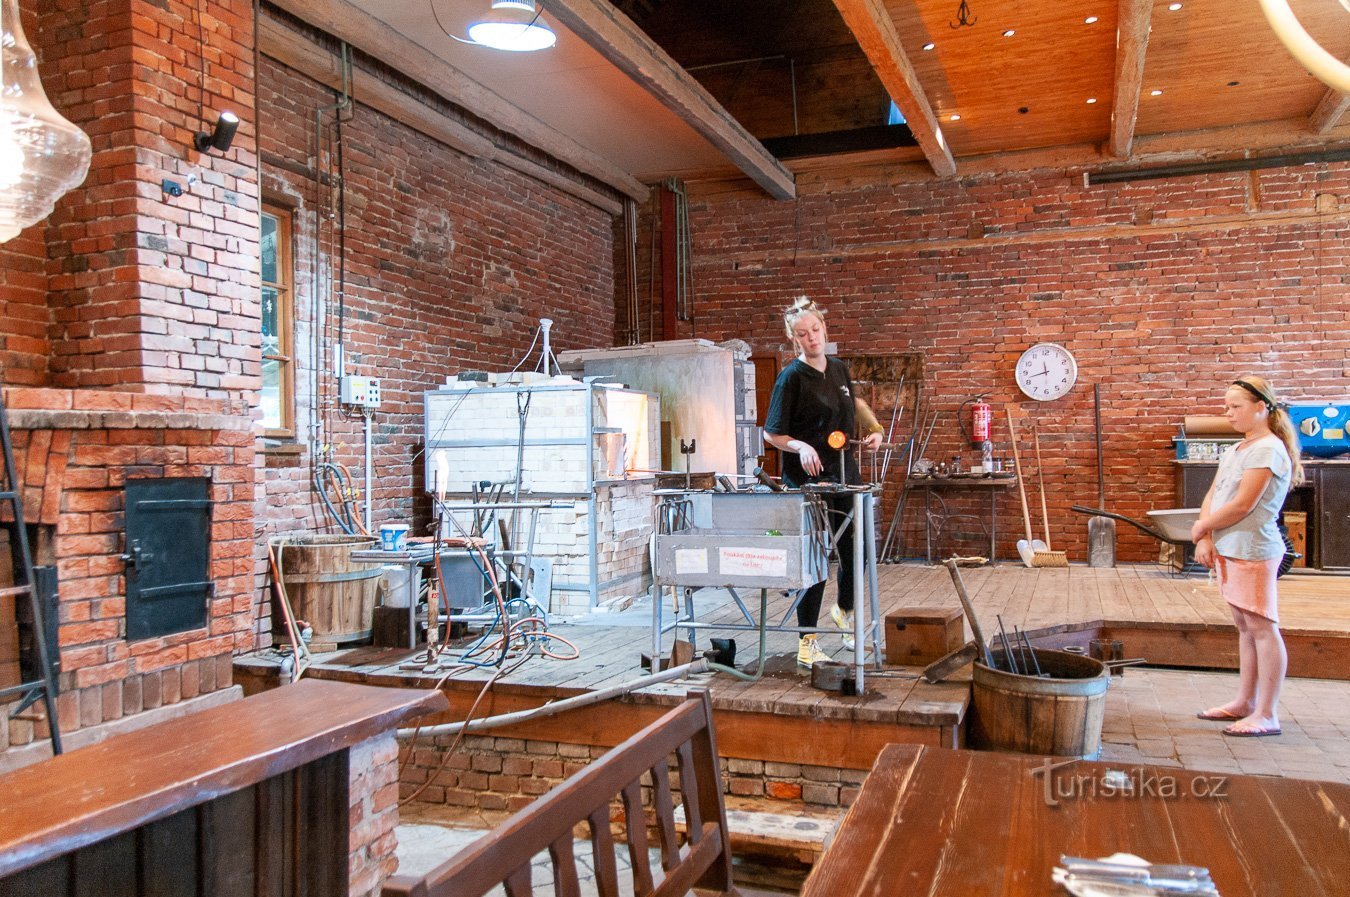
(1107, 878)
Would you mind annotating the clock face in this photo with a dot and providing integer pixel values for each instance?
(1046, 371)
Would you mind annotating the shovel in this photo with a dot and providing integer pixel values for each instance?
(1101, 530)
(1026, 548)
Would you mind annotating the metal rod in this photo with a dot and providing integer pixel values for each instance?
(1007, 649)
(509, 719)
(1169, 171)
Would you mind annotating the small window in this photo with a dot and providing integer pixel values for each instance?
(278, 339)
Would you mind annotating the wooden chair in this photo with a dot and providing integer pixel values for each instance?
(702, 862)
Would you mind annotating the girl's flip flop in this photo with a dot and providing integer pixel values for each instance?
(1218, 713)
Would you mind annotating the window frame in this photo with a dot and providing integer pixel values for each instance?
(285, 287)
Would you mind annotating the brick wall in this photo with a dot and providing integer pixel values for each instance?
(498, 776)
(1163, 289)
(145, 291)
(74, 451)
(450, 262)
(373, 796)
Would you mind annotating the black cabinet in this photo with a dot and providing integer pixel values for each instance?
(1333, 516)
(1325, 498)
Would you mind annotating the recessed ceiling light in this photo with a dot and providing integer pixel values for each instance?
(1174, 6)
(1009, 33)
(930, 45)
(956, 118)
(1090, 20)
(1091, 100)
(1155, 93)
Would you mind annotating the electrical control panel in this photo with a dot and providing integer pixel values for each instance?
(363, 392)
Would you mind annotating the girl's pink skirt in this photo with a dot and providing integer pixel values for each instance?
(1249, 585)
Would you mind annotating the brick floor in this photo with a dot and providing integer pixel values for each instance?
(1150, 718)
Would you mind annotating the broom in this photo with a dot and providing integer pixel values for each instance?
(1046, 557)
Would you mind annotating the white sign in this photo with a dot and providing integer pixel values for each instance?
(691, 560)
(752, 562)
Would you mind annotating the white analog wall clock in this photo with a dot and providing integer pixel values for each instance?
(1046, 371)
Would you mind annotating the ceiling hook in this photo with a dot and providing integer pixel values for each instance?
(963, 16)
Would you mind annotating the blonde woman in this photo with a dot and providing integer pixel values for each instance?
(1237, 537)
(812, 398)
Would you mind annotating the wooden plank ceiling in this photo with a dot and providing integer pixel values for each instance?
(690, 88)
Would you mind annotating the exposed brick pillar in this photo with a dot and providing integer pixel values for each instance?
(148, 291)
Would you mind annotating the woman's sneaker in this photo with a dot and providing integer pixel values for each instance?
(844, 620)
(808, 652)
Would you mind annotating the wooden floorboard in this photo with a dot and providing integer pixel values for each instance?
(1038, 600)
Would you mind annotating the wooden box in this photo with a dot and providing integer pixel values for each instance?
(1296, 525)
(917, 636)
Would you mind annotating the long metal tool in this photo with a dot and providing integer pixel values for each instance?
(1101, 530)
(985, 653)
(1013, 666)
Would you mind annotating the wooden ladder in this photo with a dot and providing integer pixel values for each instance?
(43, 688)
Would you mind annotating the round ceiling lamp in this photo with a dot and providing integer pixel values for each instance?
(1321, 64)
(41, 154)
(513, 25)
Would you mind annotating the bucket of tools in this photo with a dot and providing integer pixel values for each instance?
(1053, 704)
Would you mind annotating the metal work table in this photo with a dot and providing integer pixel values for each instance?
(992, 485)
(762, 540)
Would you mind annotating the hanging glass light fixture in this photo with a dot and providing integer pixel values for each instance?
(513, 25)
(41, 154)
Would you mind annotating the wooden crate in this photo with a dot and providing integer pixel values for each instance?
(1296, 525)
(917, 636)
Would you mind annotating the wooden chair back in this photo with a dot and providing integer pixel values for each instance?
(703, 860)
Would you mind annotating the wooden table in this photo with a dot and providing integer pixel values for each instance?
(957, 822)
(244, 799)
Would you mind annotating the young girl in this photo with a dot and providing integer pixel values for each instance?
(1236, 535)
(813, 397)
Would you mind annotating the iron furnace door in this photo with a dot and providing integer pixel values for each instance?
(168, 539)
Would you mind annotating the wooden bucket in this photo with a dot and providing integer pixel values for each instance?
(326, 588)
(1061, 715)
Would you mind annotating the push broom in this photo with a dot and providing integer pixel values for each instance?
(1046, 557)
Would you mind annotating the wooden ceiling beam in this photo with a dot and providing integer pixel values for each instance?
(614, 36)
(1131, 47)
(1329, 112)
(296, 51)
(373, 37)
(875, 32)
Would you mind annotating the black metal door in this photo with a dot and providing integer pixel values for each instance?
(168, 539)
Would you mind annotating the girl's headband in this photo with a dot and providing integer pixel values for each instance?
(1260, 394)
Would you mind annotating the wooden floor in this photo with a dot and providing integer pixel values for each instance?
(1167, 619)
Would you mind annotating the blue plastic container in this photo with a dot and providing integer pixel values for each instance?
(1323, 428)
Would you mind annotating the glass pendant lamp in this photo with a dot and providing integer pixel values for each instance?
(41, 154)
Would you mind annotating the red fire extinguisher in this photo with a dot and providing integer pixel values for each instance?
(980, 417)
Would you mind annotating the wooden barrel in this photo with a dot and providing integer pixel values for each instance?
(1059, 715)
(326, 588)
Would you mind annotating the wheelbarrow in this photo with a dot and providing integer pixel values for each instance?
(1175, 528)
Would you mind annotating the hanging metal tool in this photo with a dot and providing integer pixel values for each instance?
(963, 17)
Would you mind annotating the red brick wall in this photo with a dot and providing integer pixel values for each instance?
(150, 292)
(450, 263)
(1163, 289)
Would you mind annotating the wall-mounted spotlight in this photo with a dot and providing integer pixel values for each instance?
(221, 137)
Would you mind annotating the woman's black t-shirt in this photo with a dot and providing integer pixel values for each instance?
(810, 405)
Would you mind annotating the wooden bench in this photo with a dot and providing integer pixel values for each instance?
(703, 861)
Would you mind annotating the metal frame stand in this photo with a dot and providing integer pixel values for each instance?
(866, 600)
